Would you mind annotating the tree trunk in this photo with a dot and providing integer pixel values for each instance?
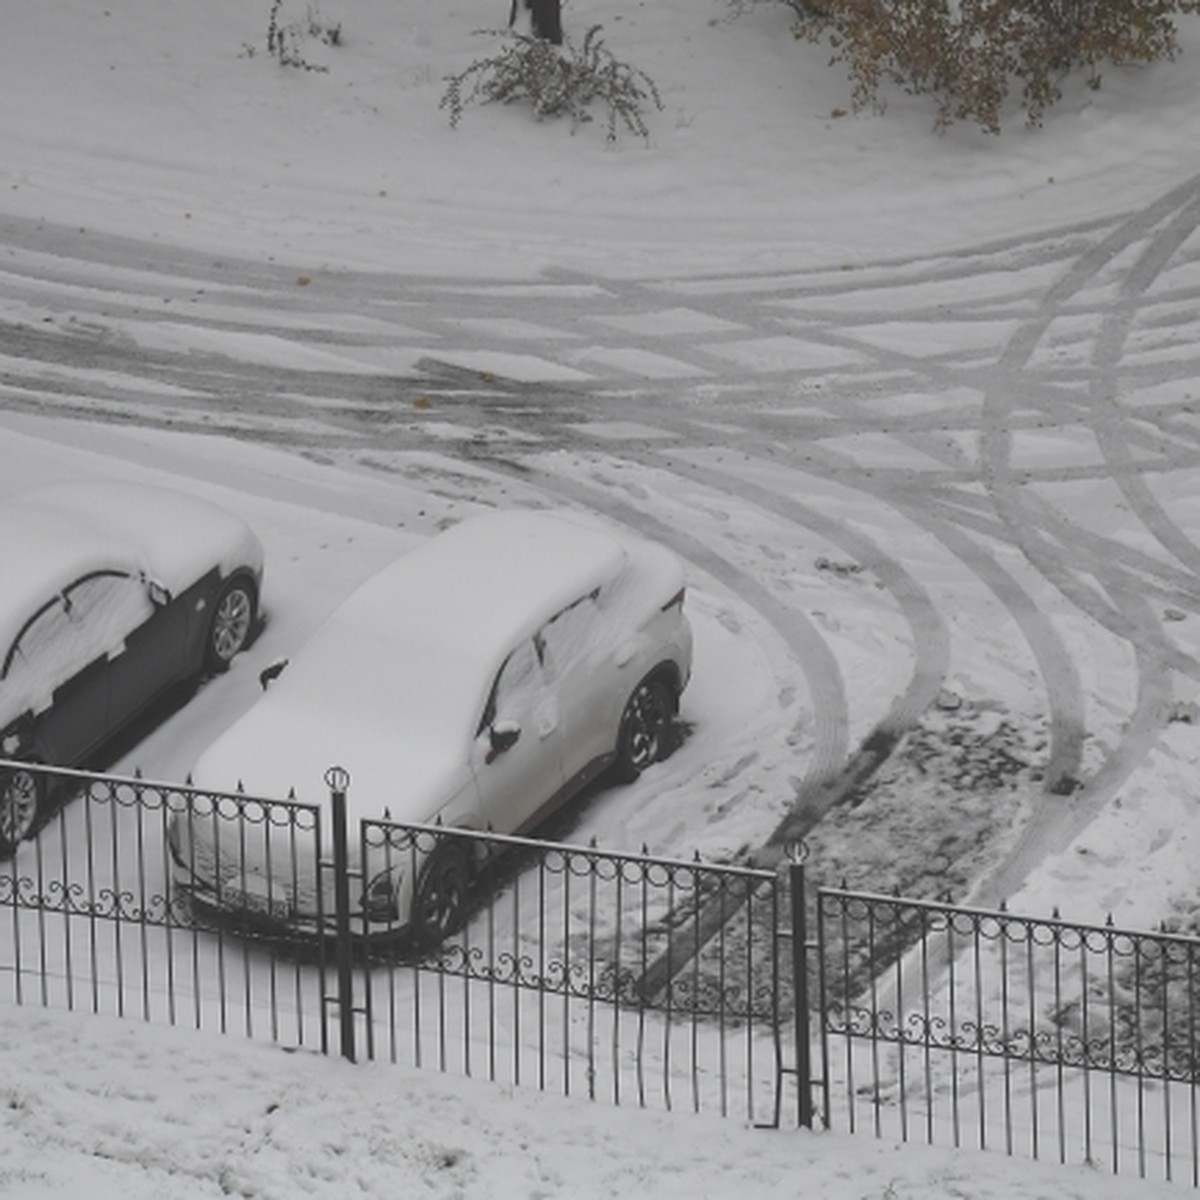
(545, 18)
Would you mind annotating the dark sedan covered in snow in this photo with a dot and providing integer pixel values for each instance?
(111, 593)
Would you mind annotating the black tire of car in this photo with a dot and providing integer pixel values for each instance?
(231, 625)
(644, 731)
(21, 797)
(440, 905)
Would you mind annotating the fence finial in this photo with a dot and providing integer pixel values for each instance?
(337, 779)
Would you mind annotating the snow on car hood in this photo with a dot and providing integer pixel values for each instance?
(329, 710)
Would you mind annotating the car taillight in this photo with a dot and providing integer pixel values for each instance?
(676, 599)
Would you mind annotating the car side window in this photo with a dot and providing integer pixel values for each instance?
(518, 682)
(570, 636)
(42, 640)
(107, 607)
(91, 618)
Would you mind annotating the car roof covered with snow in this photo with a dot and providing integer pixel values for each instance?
(481, 585)
(396, 679)
(52, 536)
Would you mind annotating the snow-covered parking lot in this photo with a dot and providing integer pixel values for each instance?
(918, 412)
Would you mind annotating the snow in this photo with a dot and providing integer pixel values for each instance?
(96, 1106)
(178, 127)
(160, 175)
(178, 537)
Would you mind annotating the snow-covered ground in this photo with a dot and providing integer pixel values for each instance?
(174, 125)
(109, 1109)
(917, 411)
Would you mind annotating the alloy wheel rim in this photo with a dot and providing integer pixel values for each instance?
(644, 728)
(231, 625)
(18, 806)
(442, 904)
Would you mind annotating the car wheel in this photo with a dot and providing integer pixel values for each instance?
(440, 906)
(20, 807)
(231, 625)
(645, 727)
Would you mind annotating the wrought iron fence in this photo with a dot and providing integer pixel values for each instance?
(620, 977)
(89, 918)
(1034, 1036)
(582, 971)
(569, 968)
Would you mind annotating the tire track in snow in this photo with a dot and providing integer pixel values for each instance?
(830, 782)
(1165, 226)
(1107, 358)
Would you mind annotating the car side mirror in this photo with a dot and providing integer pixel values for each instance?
(502, 736)
(160, 594)
(272, 672)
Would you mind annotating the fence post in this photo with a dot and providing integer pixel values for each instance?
(796, 887)
(338, 779)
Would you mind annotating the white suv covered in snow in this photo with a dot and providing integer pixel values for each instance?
(479, 682)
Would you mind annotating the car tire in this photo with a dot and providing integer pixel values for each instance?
(22, 795)
(643, 737)
(231, 625)
(440, 904)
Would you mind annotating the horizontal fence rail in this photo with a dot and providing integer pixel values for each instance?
(1034, 1036)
